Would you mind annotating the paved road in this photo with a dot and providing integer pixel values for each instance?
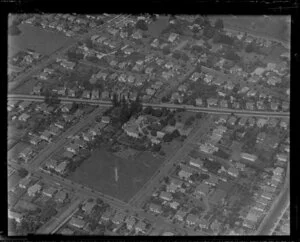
(56, 223)
(277, 207)
(166, 105)
(32, 71)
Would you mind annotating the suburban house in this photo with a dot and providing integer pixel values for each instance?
(166, 196)
(61, 167)
(18, 217)
(61, 196)
(155, 208)
(46, 135)
(26, 153)
(180, 215)
(130, 222)
(49, 192)
(202, 189)
(191, 219)
(140, 227)
(34, 189)
(185, 173)
(118, 218)
(203, 223)
(24, 117)
(196, 162)
(172, 37)
(249, 157)
(89, 206)
(24, 183)
(233, 171)
(77, 222)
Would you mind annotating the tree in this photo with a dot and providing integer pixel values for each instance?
(22, 172)
(156, 147)
(89, 44)
(14, 30)
(166, 50)
(249, 48)
(141, 24)
(153, 132)
(219, 24)
(148, 110)
(164, 99)
(208, 32)
(172, 121)
(115, 100)
(198, 115)
(199, 21)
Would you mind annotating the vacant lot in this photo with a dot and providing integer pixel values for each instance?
(158, 26)
(36, 39)
(98, 172)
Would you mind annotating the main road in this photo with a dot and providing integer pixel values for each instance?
(34, 70)
(160, 105)
(278, 206)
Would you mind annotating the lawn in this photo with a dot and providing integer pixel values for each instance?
(37, 39)
(98, 172)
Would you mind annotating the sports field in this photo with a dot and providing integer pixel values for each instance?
(98, 172)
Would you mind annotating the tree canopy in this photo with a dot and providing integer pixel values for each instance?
(141, 24)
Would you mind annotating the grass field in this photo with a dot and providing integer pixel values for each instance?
(36, 39)
(98, 172)
(158, 26)
(276, 27)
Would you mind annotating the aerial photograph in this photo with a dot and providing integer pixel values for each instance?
(148, 124)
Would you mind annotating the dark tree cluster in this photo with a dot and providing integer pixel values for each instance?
(141, 24)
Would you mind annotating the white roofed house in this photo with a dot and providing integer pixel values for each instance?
(180, 215)
(274, 106)
(77, 222)
(166, 196)
(212, 102)
(46, 135)
(140, 227)
(195, 76)
(202, 189)
(24, 117)
(196, 162)
(36, 188)
(249, 157)
(172, 37)
(18, 217)
(155, 208)
(185, 173)
(282, 157)
(130, 222)
(49, 192)
(61, 168)
(191, 219)
(86, 94)
(233, 171)
(26, 153)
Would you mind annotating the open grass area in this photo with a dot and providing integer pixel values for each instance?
(276, 27)
(158, 26)
(98, 172)
(37, 39)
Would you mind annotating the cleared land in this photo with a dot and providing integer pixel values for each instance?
(98, 172)
(37, 39)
